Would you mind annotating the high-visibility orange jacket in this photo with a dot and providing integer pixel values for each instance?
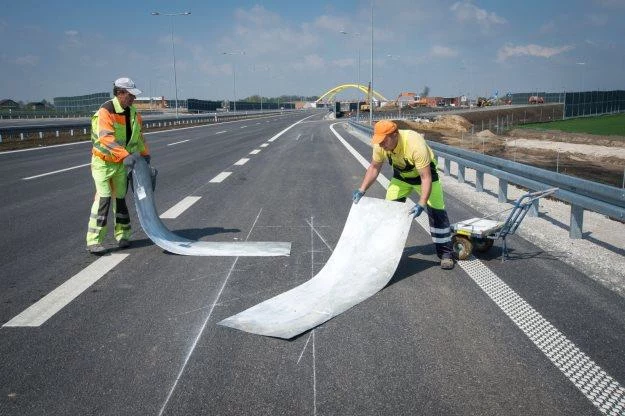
(116, 132)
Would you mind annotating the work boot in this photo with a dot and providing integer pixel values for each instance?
(447, 263)
(96, 249)
(123, 243)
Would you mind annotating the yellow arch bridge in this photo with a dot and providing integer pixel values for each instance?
(329, 95)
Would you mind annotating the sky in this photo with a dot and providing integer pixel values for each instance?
(476, 47)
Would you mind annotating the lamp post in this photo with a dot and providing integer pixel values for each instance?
(234, 76)
(356, 35)
(371, 83)
(173, 48)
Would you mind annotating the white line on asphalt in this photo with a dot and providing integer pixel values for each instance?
(210, 313)
(223, 131)
(220, 177)
(264, 145)
(255, 152)
(56, 171)
(288, 128)
(56, 300)
(242, 127)
(600, 388)
(182, 141)
(241, 162)
(180, 207)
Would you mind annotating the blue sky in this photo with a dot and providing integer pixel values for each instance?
(62, 48)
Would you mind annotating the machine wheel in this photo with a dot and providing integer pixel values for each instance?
(462, 246)
(482, 245)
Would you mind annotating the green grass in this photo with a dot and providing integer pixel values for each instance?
(601, 125)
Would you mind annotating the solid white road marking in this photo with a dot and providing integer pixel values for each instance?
(255, 152)
(600, 388)
(56, 300)
(223, 131)
(241, 162)
(220, 177)
(180, 207)
(288, 128)
(56, 171)
(182, 141)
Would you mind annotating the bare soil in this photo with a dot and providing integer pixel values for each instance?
(597, 158)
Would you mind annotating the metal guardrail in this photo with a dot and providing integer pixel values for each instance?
(581, 194)
(17, 133)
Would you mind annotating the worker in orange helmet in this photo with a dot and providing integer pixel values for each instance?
(414, 169)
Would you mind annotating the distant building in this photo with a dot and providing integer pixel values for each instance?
(9, 104)
(81, 103)
(40, 105)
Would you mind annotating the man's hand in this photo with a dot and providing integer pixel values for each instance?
(357, 195)
(147, 158)
(130, 160)
(416, 210)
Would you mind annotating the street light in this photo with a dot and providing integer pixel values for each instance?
(234, 76)
(371, 82)
(356, 35)
(173, 47)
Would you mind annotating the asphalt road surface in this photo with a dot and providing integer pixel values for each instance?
(529, 336)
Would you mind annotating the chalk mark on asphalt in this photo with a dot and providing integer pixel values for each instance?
(210, 313)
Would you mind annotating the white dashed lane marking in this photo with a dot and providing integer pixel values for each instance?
(180, 207)
(220, 177)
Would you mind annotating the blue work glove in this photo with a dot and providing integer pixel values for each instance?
(416, 210)
(357, 195)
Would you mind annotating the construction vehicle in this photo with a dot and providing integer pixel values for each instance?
(366, 106)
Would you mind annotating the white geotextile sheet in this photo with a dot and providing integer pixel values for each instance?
(364, 260)
(173, 243)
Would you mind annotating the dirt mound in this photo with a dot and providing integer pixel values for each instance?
(486, 134)
(445, 123)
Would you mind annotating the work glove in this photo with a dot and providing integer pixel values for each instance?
(416, 210)
(147, 158)
(357, 195)
(130, 160)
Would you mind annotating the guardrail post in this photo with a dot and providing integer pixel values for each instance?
(577, 221)
(21, 136)
(503, 190)
(447, 166)
(479, 181)
(0, 138)
(461, 169)
(41, 135)
(84, 131)
(56, 133)
(71, 132)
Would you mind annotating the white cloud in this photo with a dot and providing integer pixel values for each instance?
(71, 32)
(509, 51)
(466, 11)
(26, 60)
(443, 51)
